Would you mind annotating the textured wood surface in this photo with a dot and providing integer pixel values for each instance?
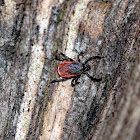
(32, 33)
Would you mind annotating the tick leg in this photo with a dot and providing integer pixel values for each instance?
(92, 58)
(78, 57)
(63, 57)
(59, 80)
(92, 78)
(75, 81)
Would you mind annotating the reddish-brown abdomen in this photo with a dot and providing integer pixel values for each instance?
(63, 69)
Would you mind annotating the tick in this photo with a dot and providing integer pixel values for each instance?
(72, 69)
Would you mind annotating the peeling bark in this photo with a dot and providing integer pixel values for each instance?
(32, 33)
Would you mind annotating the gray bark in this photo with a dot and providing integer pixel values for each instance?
(32, 33)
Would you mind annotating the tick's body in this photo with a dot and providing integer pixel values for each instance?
(71, 69)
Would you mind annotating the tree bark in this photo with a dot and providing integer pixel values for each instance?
(32, 33)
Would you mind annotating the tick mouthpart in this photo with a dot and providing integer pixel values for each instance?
(87, 67)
